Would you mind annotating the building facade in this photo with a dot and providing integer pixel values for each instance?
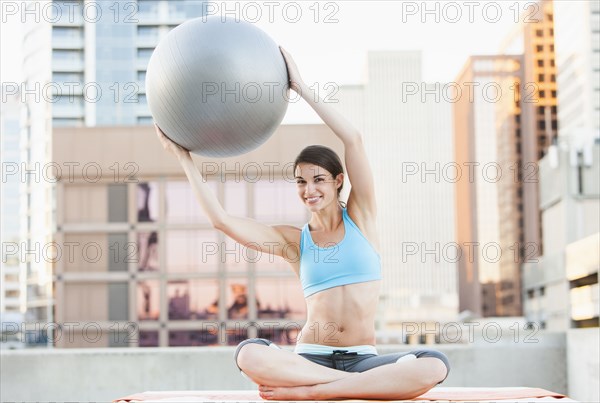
(578, 65)
(10, 276)
(568, 270)
(84, 66)
(487, 146)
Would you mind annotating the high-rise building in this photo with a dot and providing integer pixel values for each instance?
(10, 276)
(561, 287)
(406, 125)
(102, 52)
(84, 65)
(578, 66)
(568, 185)
(522, 142)
(487, 144)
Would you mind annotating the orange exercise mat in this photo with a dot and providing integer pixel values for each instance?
(438, 394)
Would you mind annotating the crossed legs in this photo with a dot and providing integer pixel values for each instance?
(282, 374)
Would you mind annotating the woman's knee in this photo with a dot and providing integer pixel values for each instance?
(247, 357)
(435, 354)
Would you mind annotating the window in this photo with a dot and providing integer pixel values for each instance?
(69, 55)
(147, 257)
(147, 202)
(553, 93)
(539, 33)
(181, 205)
(539, 48)
(542, 125)
(193, 299)
(540, 77)
(148, 300)
(197, 251)
(144, 54)
(280, 298)
(236, 198)
(148, 338)
(117, 203)
(540, 63)
(119, 252)
(206, 337)
(542, 94)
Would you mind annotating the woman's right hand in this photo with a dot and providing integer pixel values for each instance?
(170, 145)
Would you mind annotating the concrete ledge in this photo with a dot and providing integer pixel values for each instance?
(106, 374)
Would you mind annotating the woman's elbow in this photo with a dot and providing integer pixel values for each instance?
(219, 223)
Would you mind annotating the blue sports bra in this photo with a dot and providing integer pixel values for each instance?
(352, 260)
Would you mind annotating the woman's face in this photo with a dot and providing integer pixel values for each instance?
(317, 187)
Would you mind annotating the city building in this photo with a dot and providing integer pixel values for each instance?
(84, 66)
(10, 276)
(578, 66)
(487, 145)
(568, 270)
(527, 127)
(568, 185)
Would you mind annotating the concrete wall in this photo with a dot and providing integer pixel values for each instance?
(583, 364)
(106, 374)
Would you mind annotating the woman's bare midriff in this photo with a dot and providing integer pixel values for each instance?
(342, 316)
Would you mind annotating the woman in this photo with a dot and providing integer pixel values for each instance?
(340, 271)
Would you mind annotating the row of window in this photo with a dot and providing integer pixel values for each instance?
(272, 199)
(540, 48)
(540, 32)
(185, 251)
(540, 63)
(184, 300)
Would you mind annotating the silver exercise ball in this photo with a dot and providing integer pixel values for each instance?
(217, 88)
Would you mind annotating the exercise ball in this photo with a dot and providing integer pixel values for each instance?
(217, 87)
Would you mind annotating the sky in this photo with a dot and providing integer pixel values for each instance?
(330, 39)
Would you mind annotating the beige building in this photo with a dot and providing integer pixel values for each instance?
(484, 122)
(137, 251)
(510, 133)
(522, 146)
(561, 287)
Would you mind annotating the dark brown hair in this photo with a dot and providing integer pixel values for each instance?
(323, 157)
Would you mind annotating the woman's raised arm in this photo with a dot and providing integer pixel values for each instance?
(362, 193)
(274, 240)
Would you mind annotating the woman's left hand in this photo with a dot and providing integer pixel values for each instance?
(296, 82)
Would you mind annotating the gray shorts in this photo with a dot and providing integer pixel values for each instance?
(353, 362)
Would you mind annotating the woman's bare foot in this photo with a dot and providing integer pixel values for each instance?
(287, 393)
